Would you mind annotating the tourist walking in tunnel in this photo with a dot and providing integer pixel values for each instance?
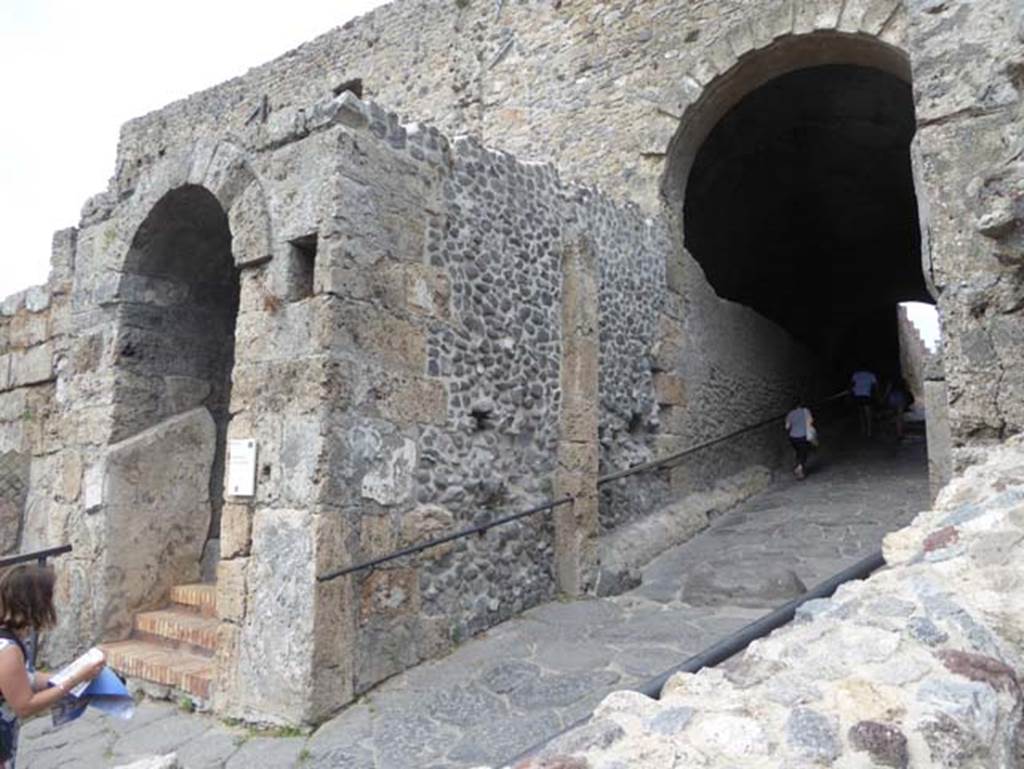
(864, 387)
(802, 435)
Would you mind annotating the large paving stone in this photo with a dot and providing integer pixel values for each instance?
(757, 583)
(163, 735)
(211, 750)
(268, 753)
(497, 742)
(466, 706)
(557, 691)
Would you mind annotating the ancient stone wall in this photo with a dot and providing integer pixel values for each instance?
(400, 360)
(468, 295)
(917, 666)
(598, 88)
(967, 62)
(27, 375)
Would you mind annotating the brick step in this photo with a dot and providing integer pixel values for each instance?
(179, 626)
(199, 596)
(177, 668)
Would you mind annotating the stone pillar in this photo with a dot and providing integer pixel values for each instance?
(940, 444)
(577, 525)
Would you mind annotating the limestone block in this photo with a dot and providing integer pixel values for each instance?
(15, 473)
(6, 372)
(814, 15)
(276, 641)
(301, 449)
(579, 458)
(156, 512)
(378, 333)
(12, 304)
(940, 448)
(71, 474)
(896, 28)
(62, 258)
(388, 593)
(225, 665)
(283, 126)
(28, 328)
(390, 480)
(877, 14)
(13, 404)
(232, 589)
(669, 389)
(670, 343)
(348, 110)
(741, 38)
(228, 174)
(33, 366)
(408, 400)
(427, 291)
(235, 530)
(250, 227)
(330, 535)
(428, 522)
(376, 535)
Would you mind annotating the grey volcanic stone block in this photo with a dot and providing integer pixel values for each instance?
(757, 584)
(156, 510)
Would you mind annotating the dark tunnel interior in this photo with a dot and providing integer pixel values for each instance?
(800, 204)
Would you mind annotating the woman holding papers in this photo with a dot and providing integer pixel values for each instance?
(26, 605)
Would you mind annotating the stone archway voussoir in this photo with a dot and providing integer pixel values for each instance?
(816, 15)
(228, 174)
(249, 222)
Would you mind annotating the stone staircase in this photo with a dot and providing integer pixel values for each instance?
(172, 647)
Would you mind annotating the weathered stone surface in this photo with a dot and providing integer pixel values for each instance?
(864, 664)
(886, 744)
(709, 584)
(437, 292)
(155, 510)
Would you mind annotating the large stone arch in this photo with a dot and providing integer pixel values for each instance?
(225, 171)
(797, 36)
(194, 219)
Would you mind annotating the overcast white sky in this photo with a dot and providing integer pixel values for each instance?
(74, 70)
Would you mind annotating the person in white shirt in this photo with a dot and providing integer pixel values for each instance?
(864, 387)
(26, 605)
(802, 435)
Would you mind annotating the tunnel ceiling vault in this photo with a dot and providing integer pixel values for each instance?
(800, 202)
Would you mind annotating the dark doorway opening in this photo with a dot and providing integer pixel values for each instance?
(800, 204)
(178, 306)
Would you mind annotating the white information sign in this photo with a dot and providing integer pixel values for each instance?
(241, 480)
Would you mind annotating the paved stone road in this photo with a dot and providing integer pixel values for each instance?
(524, 680)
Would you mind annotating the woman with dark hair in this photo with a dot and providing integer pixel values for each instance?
(26, 605)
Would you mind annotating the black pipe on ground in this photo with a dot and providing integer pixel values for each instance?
(734, 643)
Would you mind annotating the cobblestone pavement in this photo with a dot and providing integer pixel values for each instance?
(524, 680)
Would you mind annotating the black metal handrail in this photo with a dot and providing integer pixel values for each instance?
(442, 540)
(552, 504)
(732, 644)
(39, 556)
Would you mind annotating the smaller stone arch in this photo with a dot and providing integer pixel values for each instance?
(794, 35)
(222, 169)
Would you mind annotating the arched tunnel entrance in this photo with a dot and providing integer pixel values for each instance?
(179, 302)
(800, 204)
